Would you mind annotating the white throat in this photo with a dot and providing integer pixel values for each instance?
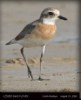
(49, 21)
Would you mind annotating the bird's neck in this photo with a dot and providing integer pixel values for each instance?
(48, 21)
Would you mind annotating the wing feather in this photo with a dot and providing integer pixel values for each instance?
(27, 30)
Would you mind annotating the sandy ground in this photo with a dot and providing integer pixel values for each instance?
(60, 63)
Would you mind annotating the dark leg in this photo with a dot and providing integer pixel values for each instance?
(29, 71)
(41, 62)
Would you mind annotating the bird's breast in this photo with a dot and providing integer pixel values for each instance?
(44, 31)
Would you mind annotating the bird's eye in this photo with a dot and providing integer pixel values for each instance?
(50, 13)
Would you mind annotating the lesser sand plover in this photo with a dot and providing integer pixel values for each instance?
(38, 33)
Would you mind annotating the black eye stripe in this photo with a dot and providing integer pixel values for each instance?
(50, 13)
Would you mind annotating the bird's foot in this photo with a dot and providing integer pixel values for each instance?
(41, 79)
(30, 73)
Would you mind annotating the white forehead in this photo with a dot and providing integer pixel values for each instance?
(56, 11)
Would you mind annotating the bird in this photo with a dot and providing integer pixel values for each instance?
(37, 34)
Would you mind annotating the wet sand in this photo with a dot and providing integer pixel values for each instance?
(61, 68)
(60, 63)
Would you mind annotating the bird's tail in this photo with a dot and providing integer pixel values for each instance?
(10, 42)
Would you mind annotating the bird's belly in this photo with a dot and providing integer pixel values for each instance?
(32, 43)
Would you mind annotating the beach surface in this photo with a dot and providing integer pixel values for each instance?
(60, 63)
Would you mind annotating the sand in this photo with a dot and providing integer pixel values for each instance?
(60, 63)
(61, 69)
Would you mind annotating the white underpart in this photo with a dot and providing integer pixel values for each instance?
(50, 21)
(32, 42)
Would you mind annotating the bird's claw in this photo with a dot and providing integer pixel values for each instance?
(30, 74)
(40, 79)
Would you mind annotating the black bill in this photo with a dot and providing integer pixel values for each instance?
(61, 17)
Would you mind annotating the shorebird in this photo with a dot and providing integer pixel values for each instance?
(38, 33)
